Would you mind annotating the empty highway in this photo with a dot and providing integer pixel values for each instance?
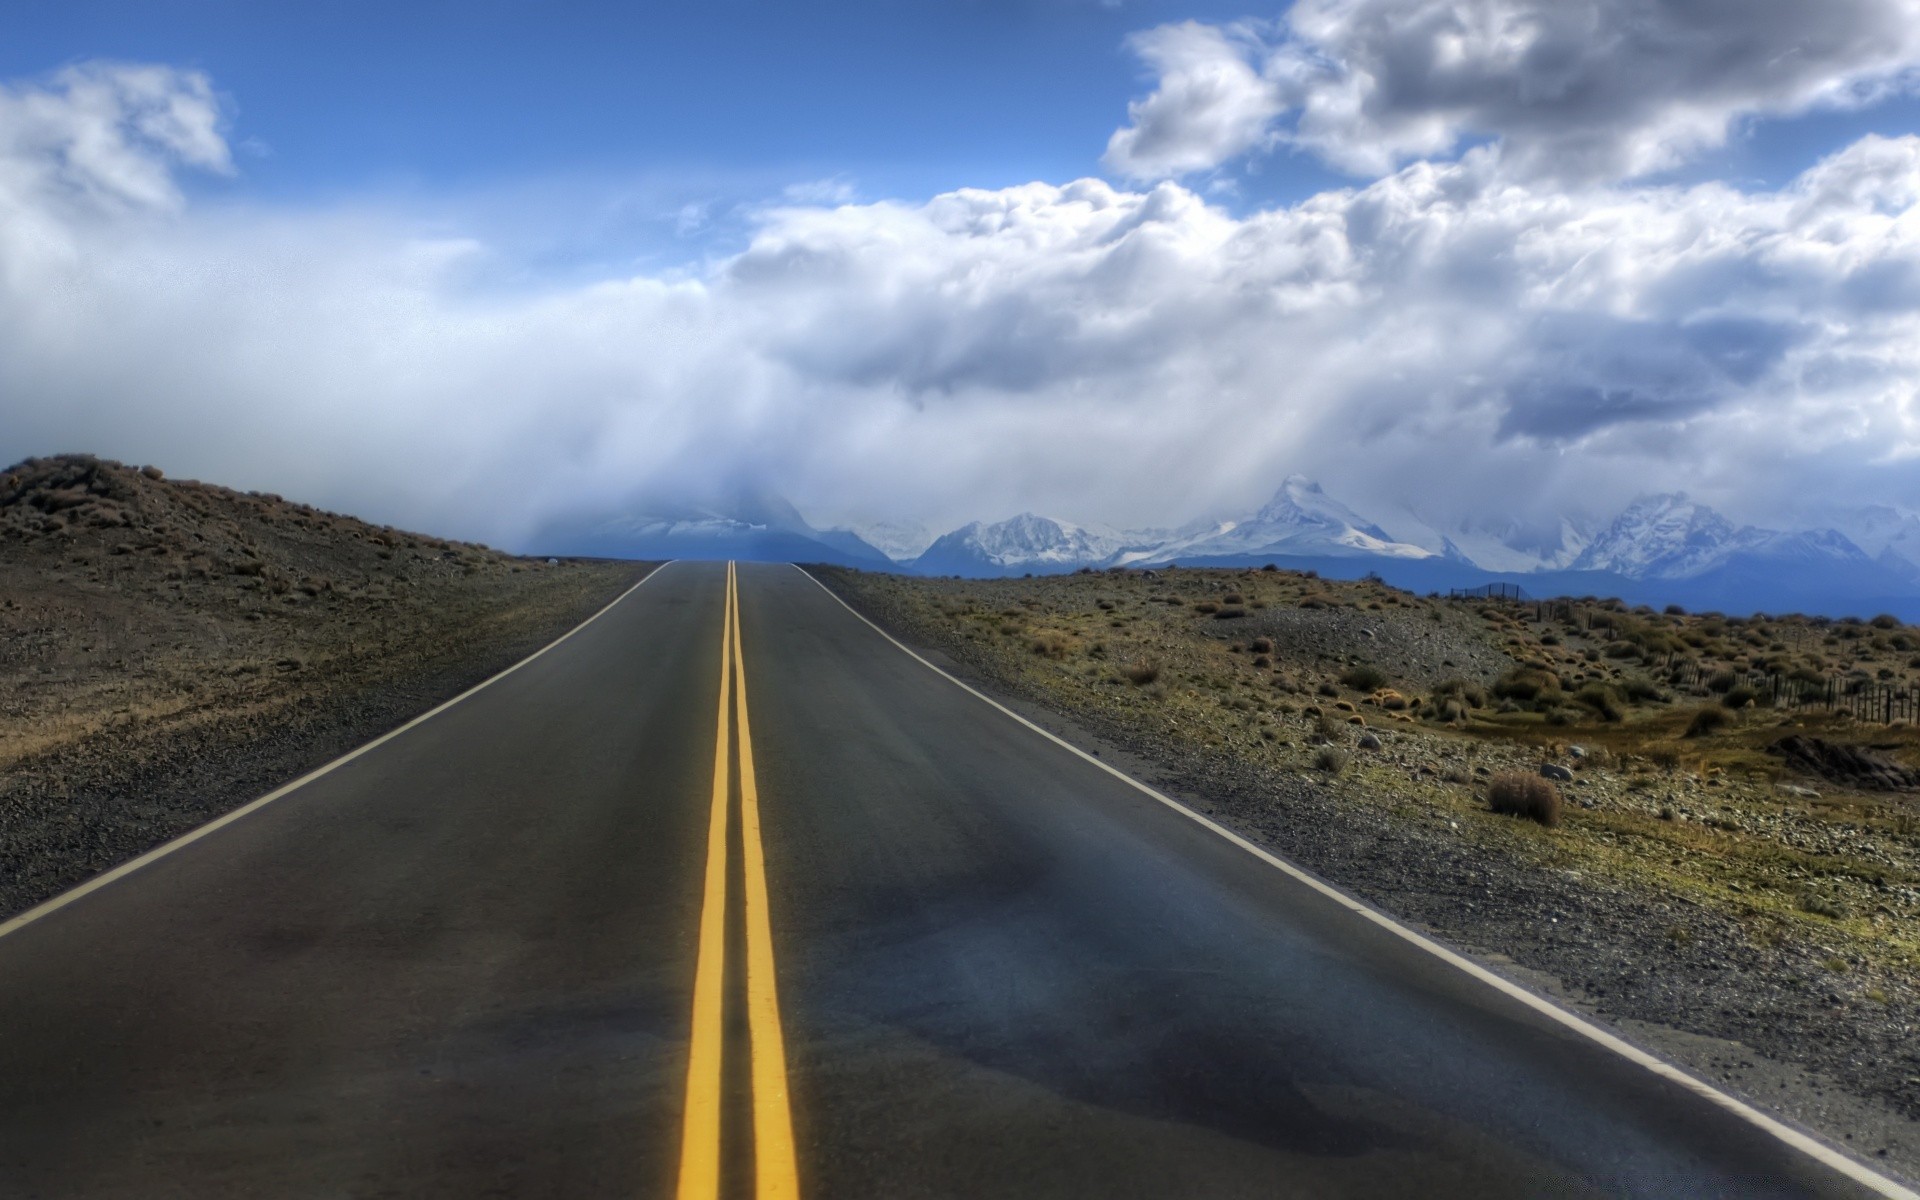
(719, 898)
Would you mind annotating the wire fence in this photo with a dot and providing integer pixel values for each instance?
(1865, 699)
(1860, 696)
(1490, 591)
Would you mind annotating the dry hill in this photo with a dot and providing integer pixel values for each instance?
(169, 650)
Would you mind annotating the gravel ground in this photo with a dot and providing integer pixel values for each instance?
(1773, 1023)
(1411, 647)
(170, 651)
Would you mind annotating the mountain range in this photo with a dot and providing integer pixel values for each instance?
(748, 525)
(1665, 548)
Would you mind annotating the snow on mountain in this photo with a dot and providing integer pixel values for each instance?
(1668, 536)
(1018, 545)
(1496, 545)
(1891, 536)
(1300, 520)
(1671, 536)
(747, 525)
(900, 541)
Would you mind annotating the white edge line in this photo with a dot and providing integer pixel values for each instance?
(48, 907)
(1812, 1147)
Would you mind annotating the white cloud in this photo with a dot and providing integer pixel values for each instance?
(821, 191)
(1449, 333)
(103, 134)
(1570, 89)
(1210, 103)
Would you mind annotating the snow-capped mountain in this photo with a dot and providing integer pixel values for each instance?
(900, 541)
(1300, 521)
(1891, 536)
(1671, 536)
(1496, 545)
(1661, 549)
(1667, 536)
(1018, 545)
(746, 525)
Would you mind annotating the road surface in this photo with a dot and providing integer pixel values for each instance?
(930, 953)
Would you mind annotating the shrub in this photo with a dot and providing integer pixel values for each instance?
(1739, 696)
(1261, 645)
(1519, 794)
(1640, 689)
(1049, 645)
(1233, 598)
(1722, 682)
(1142, 673)
(1364, 678)
(1601, 699)
(1525, 683)
(1885, 621)
(1230, 612)
(1330, 760)
(1469, 694)
(1206, 606)
(1327, 689)
(1707, 720)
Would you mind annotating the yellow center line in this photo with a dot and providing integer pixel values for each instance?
(700, 1133)
(776, 1172)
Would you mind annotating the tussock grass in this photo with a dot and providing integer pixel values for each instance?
(1518, 794)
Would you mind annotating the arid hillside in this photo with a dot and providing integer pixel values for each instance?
(169, 650)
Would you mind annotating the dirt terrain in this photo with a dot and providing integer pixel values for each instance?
(170, 650)
(1733, 877)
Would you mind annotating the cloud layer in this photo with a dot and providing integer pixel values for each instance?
(1451, 335)
(1570, 89)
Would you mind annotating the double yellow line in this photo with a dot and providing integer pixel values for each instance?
(775, 1172)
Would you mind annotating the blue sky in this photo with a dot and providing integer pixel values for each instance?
(582, 133)
(903, 98)
(1658, 246)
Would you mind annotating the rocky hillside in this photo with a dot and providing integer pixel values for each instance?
(74, 513)
(171, 649)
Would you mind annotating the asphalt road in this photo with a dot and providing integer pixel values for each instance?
(940, 953)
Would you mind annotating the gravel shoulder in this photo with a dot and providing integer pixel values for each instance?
(1784, 1013)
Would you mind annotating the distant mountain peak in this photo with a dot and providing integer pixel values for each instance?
(747, 523)
(1024, 542)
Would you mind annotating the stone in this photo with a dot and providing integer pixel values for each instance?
(1557, 772)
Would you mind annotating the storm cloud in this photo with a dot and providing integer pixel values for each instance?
(1568, 89)
(1452, 334)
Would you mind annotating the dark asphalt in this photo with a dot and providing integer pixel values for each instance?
(461, 965)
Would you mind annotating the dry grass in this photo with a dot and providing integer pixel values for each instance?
(1518, 794)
